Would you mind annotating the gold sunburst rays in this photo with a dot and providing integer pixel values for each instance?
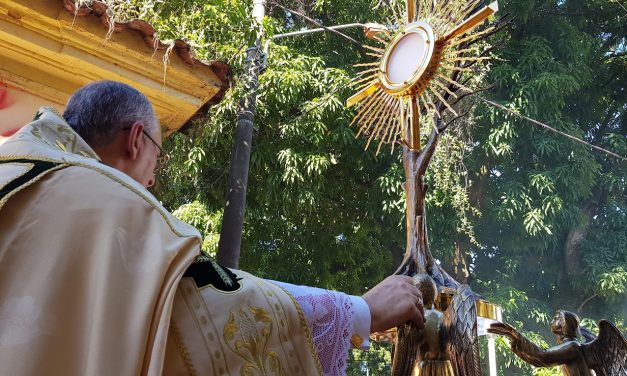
(419, 69)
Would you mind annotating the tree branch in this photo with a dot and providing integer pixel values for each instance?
(444, 127)
(483, 54)
(502, 23)
(614, 55)
(429, 149)
(585, 302)
(467, 94)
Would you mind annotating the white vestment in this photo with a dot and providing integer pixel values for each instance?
(91, 267)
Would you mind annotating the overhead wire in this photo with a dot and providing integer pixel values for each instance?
(351, 39)
(546, 126)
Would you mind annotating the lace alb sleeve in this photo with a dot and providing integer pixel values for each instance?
(330, 316)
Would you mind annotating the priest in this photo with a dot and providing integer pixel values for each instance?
(97, 278)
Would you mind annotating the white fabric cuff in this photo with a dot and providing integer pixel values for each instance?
(361, 321)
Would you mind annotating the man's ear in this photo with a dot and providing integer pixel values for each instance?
(135, 141)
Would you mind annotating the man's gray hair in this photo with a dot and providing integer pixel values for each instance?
(99, 110)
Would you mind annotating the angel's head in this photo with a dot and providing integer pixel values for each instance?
(427, 287)
(565, 324)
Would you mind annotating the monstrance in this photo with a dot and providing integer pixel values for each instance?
(421, 71)
(416, 69)
(424, 69)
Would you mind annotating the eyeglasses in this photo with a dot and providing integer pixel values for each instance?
(163, 158)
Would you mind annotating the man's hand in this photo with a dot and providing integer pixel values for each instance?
(393, 302)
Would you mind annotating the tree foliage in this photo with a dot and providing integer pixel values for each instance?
(553, 210)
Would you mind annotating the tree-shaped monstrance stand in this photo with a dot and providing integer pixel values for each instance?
(422, 72)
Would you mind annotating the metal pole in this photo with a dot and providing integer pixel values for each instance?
(233, 220)
(492, 354)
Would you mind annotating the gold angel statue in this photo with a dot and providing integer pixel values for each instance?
(447, 345)
(606, 354)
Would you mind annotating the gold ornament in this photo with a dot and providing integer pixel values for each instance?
(416, 68)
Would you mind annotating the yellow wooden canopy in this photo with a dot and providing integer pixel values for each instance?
(49, 49)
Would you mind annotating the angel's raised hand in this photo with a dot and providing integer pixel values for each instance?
(503, 329)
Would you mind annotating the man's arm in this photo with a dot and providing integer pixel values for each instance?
(338, 321)
(333, 318)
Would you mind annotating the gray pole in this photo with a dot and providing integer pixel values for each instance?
(233, 220)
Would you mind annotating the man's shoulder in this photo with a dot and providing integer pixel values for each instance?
(89, 180)
(105, 188)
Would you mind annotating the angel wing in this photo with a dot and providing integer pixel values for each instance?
(607, 355)
(405, 349)
(459, 333)
(587, 334)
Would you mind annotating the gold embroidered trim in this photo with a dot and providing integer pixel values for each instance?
(28, 184)
(305, 327)
(65, 138)
(29, 166)
(49, 108)
(196, 313)
(212, 287)
(225, 278)
(218, 268)
(159, 209)
(180, 345)
(201, 258)
(247, 340)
